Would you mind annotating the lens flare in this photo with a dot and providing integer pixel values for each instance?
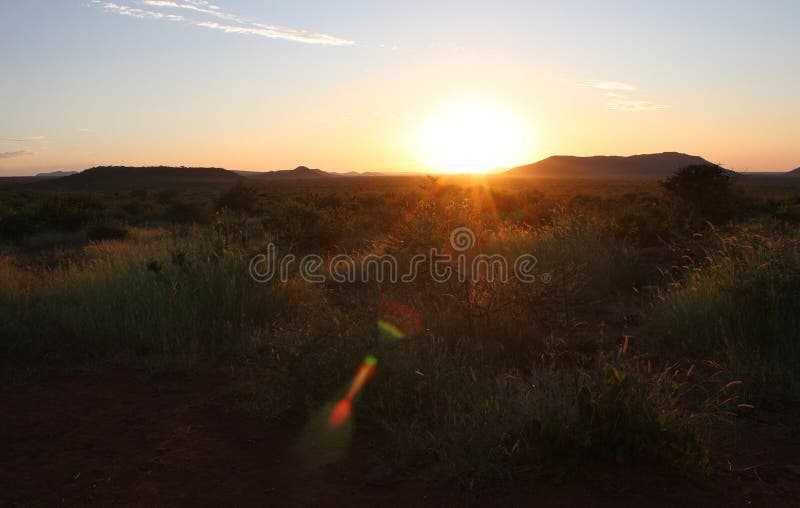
(390, 329)
(397, 320)
(328, 433)
(340, 413)
(343, 409)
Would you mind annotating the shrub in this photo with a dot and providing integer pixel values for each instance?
(16, 226)
(139, 194)
(305, 227)
(646, 226)
(239, 198)
(107, 230)
(441, 405)
(67, 211)
(705, 189)
(189, 212)
(166, 196)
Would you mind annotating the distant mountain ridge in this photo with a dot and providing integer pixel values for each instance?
(304, 172)
(298, 172)
(654, 165)
(55, 174)
(126, 178)
(122, 178)
(17, 180)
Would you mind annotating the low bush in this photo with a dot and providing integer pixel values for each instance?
(239, 198)
(107, 230)
(187, 212)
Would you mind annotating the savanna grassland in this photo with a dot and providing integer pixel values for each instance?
(654, 359)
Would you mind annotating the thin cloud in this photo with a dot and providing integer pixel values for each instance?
(28, 139)
(607, 85)
(18, 153)
(201, 7)
(223, 21)
(617, 101)
(125, 10)
(276, 32)
(627, 105)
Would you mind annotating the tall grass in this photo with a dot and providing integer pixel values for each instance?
(485, 388)
(153, 295)
(740, 306)
(482, 391)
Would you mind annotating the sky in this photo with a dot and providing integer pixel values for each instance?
(394, 86)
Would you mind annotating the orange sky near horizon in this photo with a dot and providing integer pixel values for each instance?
(395, 88)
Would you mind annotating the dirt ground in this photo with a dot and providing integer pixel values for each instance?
(128, 438)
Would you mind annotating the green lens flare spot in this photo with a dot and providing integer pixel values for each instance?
(390, 329)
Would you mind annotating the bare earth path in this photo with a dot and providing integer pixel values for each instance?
(124, 438)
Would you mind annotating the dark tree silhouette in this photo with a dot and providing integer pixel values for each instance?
(706, 189)
(240, 198)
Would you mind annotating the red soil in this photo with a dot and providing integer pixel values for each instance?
(129, 439)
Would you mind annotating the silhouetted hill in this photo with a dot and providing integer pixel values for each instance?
(656, 165)
(794, 172)
(17, 180)
(55, 174)
(365, 173)
(122, 178)
(298, 172)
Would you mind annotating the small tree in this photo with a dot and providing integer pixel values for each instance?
(239, 198)
(705, 189)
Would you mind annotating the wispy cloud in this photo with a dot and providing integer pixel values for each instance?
(197, 6)
(126, 10)
(27, 139)
(204, 14)
(607, 85)
(18, 153)
(618, 101)
(621, 104)
(276, 32)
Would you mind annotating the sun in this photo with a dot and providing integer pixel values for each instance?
(472, 135)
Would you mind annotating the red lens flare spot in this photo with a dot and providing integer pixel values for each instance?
(339, 414)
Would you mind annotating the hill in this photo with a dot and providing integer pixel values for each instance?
(124, 178)
(656, 165)
(55, 174)
(794, 172)
(365, 173)
(17, 180)
(301, 172)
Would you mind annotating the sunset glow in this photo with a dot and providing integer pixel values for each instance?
(247, 85)
(473, 135)
(569, 231)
